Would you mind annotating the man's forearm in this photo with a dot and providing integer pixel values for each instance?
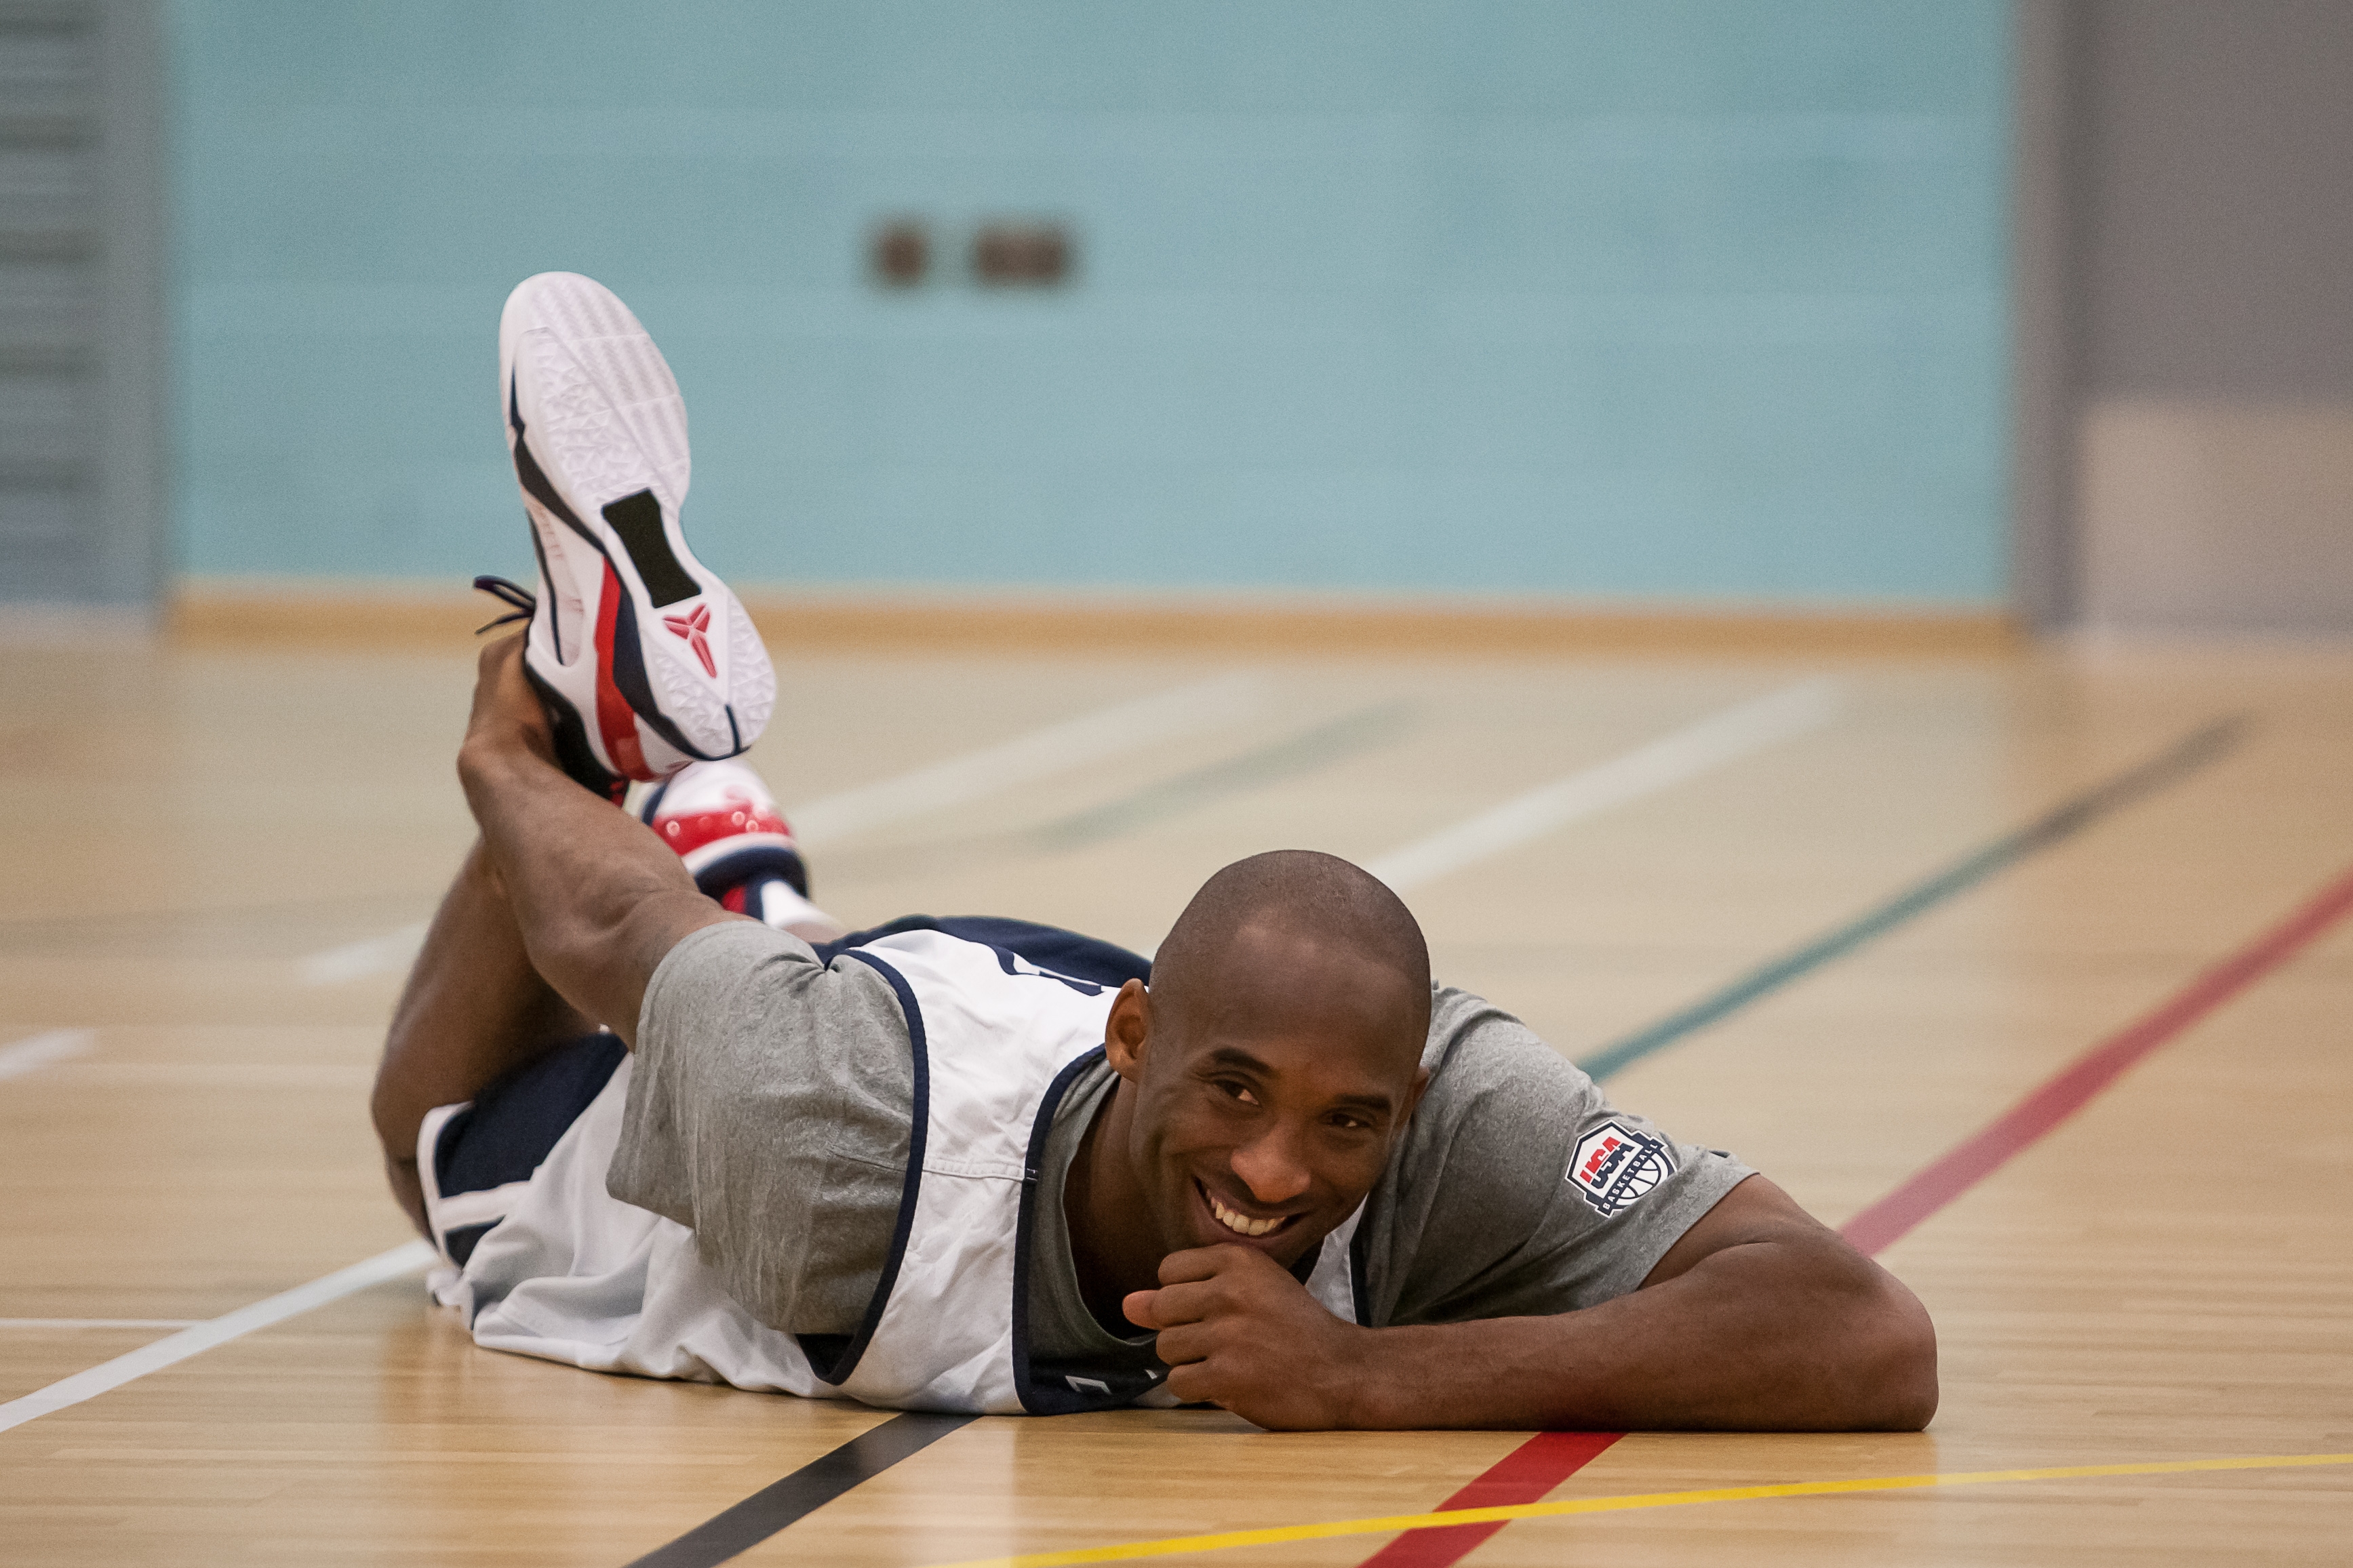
(1782, 1335)
(599, 900)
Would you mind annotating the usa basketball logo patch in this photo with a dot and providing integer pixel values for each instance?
(1614, 1165)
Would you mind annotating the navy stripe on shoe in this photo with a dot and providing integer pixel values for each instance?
(630, 680)
(534, 480)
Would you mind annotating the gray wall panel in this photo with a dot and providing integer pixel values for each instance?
(2218, 250)
(2198, 472)
(80, 352)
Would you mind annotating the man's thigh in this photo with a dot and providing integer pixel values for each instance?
(475, 1158)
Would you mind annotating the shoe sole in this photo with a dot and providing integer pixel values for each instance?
(601, 454)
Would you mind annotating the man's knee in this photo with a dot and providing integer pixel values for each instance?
(398, 1119)
(393, 1112)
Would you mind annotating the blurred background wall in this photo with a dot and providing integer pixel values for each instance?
(2211, 167)
(84, 409)
(1700, 299)
(1963, 306)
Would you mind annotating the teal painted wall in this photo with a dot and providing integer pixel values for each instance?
(1682, 297)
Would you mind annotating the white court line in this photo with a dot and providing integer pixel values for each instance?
(222, 1075)
(377, 955)
(1057, 748)
(57, 1046)
(1673, 759)
(406, 1258)
(98, 1322)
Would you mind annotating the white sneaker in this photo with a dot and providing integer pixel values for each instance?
(722, 821)
(645, 659)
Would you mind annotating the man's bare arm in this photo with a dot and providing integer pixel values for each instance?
(599, 900)
(1758, 1318)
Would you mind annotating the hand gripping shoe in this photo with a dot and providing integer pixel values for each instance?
(643, 658)
(722, 822)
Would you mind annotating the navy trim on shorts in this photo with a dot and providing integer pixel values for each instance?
(513, 1124)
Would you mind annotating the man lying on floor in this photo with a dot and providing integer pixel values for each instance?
(982, 1165)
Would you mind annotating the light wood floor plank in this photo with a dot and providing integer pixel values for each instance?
(2165, 1277)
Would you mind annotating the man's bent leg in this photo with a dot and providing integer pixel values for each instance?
(474, 1009)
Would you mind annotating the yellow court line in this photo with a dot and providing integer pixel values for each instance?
(1180, 1545)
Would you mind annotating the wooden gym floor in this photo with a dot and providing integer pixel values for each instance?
(213, 857)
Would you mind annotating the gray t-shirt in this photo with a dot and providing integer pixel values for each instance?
(769, 1113)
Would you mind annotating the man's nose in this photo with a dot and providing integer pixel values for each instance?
(1272, 1165)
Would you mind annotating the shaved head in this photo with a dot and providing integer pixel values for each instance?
(1302, 901)
(1266, 1072)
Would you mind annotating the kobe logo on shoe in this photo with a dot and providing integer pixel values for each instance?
(692, 627)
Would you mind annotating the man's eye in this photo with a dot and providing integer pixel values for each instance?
(1239, 1091)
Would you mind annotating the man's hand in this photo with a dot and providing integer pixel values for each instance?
(1758, 1318)
(507, 711)
(1237, 1330)
(597, 897)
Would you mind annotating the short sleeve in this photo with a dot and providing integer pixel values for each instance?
(769, 1112)
(1519, 1189)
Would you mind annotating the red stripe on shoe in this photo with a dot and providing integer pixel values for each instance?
(1524, 1475)
(688, 834)
(615, 720)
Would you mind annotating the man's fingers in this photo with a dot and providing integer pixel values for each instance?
(1195, 1384)
(496, 655)
(506, 707)
(1186, 1342)
(492, 672)
(1177, 1304)
(1200, 1263)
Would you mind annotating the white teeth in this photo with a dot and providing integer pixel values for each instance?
(1241, 1223)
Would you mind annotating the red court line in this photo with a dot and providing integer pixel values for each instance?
(1542, 1463)
(2061, 1096)
(1524, 1475)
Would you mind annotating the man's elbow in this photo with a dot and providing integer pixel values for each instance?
(1897, 1389)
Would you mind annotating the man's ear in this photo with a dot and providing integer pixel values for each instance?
(1127, 1033)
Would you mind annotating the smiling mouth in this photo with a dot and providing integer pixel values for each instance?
(1241, 1224)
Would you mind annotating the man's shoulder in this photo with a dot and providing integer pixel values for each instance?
(1493, 1127)
(1494, 1204)
(1478, 1053)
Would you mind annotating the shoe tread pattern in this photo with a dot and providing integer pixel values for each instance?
(752, 681)
(608, 402)
(689, 698)
(610, 423)
(585, 445)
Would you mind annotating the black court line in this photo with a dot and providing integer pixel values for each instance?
(803, 1492)
(2206, 745)
(1303, 752)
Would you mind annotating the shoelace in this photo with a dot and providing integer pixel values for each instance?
(525, 604)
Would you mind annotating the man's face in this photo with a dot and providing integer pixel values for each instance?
(1266, 1111)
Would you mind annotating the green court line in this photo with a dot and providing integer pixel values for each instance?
(2206, 745)
(1303, 752)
